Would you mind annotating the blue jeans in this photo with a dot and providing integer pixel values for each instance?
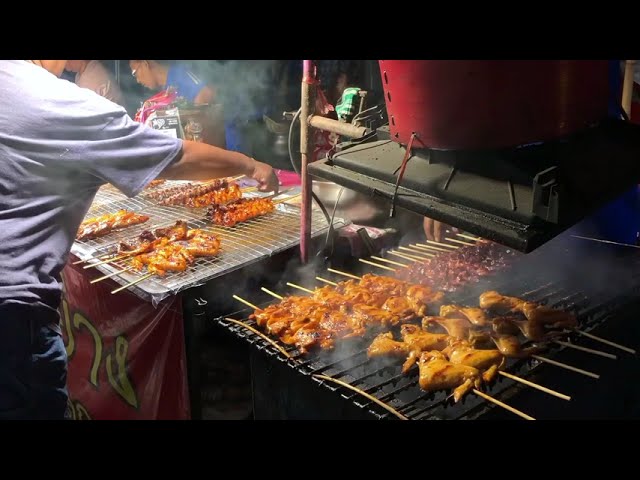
(33, 365)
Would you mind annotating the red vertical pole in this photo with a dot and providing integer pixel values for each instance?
(306, 149)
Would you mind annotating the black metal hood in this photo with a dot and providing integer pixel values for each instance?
(520, 197)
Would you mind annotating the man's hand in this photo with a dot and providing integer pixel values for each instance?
(266, 177)
(434, 230)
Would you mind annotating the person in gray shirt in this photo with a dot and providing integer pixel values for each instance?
(58, 144)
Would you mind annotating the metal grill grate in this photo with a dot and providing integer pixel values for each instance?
(241, 245)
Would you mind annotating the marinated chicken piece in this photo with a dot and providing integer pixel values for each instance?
(534, 312)
(418, 341)
(414, 342)
(486, 361)
(492, 300)
(531, 330)
(437, 373)
(374, 316)
(384, 345)
(549, 317)
(473, 314)
(456, 327)
(401, 307)
(510, 346)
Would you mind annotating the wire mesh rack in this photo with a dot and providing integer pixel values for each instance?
(245, 243)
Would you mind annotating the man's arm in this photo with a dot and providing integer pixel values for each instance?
(205, 96)
(200, 161)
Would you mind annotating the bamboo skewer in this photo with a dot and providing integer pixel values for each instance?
(565, 366)
(261, 335)
(585, 349)
(130, 284)
(406, 256)
(503, 405)
(105, 261)
(430, 248)
(418, 253)
(469, 244)
(468, 237)
(364, 394)
(246, 302)
(282, 200)
(96, 280)
(345, 274)
(606, 342)
(279, 297)
(327, 281)
(376, 264)
(433, 242)
(535, 385)
(386, 260)
(299, 287)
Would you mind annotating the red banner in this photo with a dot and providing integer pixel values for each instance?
(126, 358)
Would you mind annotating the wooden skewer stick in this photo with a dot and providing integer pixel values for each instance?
(81, 261)
(469, 244)
(237, 177)
(364, 394)
(345, 274)
(433, 242)
(96, 280)
(405, 256)
(282, 200)
(327, 281)
(246, 302)
(130, 284)
(386, 260)
(248, 189)
(418, 253)
(431, 248)
(260, 334)
(299, 287)
(535, 385)
(503, 405)
(109, 260)
(279, 297)
(376, 264)
(585, 349)
(565, 366)
(468, 237)
(606, 342)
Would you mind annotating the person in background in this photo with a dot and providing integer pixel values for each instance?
(161, 75)
(93, 75)
(59, 143)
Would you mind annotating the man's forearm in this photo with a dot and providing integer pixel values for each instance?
(201, 161)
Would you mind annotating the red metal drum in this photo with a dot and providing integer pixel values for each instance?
(480, 104)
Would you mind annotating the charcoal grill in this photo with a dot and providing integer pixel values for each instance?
(596, 308)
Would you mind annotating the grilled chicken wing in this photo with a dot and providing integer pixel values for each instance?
(510, 346)
(473, 314)
(456, 327)
(437, 373)
(538, 314)
(385, 345)
(418, 341)
(486, 361)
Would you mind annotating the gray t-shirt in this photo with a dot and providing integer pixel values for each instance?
(58, 144)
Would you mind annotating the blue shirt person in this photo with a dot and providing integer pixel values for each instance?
(160, 75)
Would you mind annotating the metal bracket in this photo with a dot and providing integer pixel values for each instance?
(546, 195)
